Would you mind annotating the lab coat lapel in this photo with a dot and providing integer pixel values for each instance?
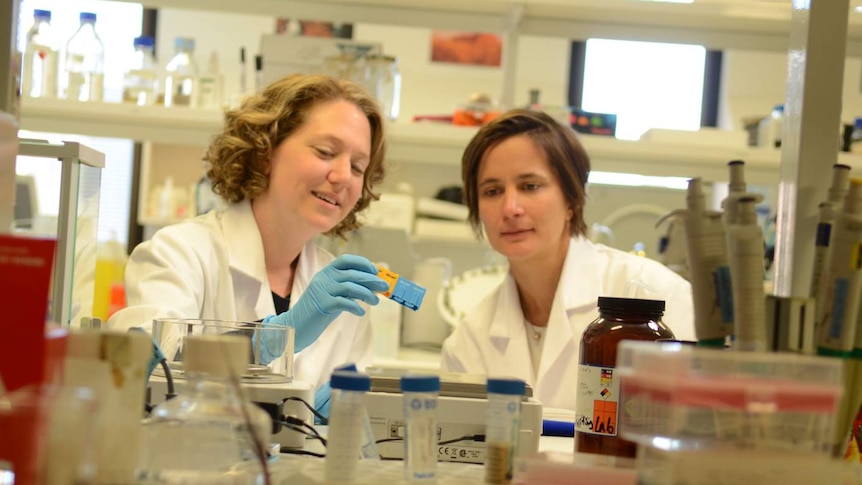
(578, 288)
(245, 253)
(509, 336)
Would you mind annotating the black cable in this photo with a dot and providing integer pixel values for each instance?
(387, 440)
(479, 438)
(297, 451)
(297, 425)
(322, 418)
(302, 431)
(168, 377)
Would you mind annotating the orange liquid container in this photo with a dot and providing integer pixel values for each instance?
(599, 402)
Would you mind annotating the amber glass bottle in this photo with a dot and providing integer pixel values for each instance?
(599, 401)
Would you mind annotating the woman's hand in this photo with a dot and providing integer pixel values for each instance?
(333, 290)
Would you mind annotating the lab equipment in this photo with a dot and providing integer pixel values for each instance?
(41, 58)
(709, 268)
(181, 83)
(401, 289)
(420, 417)
(345, 424)
(745, 244)
(693, 398)
(209, 429)
(837, 313)
(210, 84)
(141, 81)
(597, 428)
(826, 217)
(331, 291)
(85, 62)
(462, 408)
(502, 428)
(426, 327)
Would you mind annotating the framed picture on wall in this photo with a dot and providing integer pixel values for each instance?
(471, 48)
(313, 28)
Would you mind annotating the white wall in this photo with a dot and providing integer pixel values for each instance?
(754, 81)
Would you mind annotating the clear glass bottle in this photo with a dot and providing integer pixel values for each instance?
(41, 59)
(210, 84)
(385, 77)
(346, 416)
(599, 400)
(181, 75)
(208, 430)
(503, 427)
(141, 81)
(420, 417)
(85, 62)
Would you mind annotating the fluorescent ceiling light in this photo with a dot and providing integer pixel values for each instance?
(637, 180)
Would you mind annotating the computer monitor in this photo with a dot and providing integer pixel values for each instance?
(26, 201)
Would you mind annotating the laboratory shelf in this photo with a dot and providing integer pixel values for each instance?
(716, 24)
(423, 142)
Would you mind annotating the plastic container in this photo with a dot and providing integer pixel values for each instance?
(208, 431)
(41, 58)
(347, 412)
(597, 426)
(693, 398)
(420, 415)
(85, 62)
(141, 81)
(502, 428)
(170, 334)
(210, 84)
(181, 75)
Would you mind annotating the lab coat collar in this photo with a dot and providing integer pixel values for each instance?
(581, 279)
(244, 245)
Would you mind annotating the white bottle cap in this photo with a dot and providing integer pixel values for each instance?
(217, 355)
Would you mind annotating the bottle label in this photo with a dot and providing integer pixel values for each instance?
(596, 408)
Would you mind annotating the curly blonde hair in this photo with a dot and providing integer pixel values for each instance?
(238, 158)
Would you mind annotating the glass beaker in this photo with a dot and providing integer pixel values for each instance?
(169, 334)
(384, 80)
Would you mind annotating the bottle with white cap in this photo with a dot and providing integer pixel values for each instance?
(209, 428)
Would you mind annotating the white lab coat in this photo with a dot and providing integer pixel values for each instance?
(212, 267)
(492, 340)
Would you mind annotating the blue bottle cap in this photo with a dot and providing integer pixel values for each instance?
(857, 123)
(420, 384)
(42, 14)
(350, 366)
(350, 381)
(143, 41)
(779, 108)
(87, 16)
(512, 387)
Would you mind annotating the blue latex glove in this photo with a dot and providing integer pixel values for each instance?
(156, 357)
(321, 401)
(331, 291)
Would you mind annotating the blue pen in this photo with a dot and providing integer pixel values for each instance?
(558, 428)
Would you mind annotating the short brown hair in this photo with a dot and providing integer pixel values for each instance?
(564, 152)
(238, 158)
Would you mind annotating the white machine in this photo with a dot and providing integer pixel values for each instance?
(262, 392)
(461, 411)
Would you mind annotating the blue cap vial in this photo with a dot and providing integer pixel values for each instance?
(420, 383)
(512, 387)
(350, 381)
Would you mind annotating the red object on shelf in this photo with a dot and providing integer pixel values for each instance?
(29, 355)
(118, 298)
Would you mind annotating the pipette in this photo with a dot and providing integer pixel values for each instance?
(745, 244)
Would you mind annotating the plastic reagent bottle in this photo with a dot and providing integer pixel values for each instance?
(420, 415)
(502, 428)
(598, 398)
(41, 59)
(140, 83)
(182, 72)
(209, 429)
(85, 62)
(346, 414)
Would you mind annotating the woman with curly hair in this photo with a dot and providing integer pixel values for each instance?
(298, 159)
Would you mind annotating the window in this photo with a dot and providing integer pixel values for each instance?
(647, 84)
(118, 24)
